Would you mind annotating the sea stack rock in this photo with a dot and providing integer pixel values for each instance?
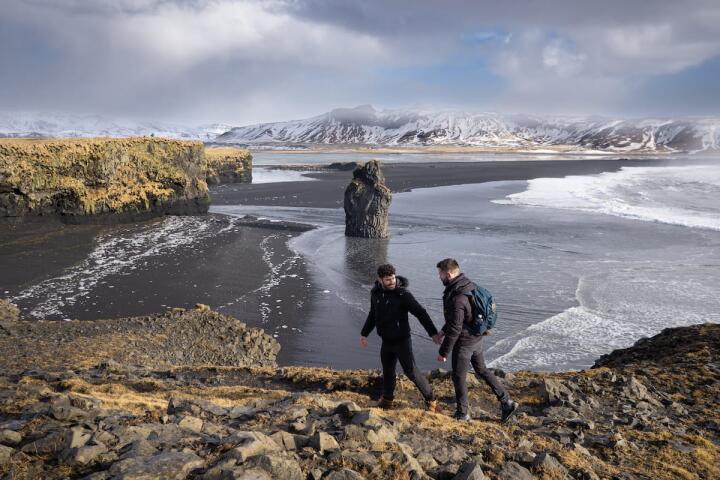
(367, 202)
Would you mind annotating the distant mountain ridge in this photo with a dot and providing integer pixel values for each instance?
(26, 124)
(416, 128)
(366, 126)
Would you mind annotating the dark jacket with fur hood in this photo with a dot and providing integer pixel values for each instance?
(389, 312)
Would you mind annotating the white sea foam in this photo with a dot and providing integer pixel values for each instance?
(625, 283)
(678, 195)
(116, 253)
(615, 309)
(268, 175)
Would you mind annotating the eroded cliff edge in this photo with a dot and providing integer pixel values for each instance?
(111, 179)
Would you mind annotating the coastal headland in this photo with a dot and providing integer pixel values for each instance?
(110, 180)
(130, 393)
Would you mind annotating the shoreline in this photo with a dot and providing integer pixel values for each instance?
(240, 263)
(327, 192)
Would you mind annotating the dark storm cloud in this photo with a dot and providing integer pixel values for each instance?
(222, 60)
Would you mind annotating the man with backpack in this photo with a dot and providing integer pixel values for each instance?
(463, 337)
(390, 303)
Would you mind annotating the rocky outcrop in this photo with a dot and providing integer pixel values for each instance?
(367, 203)
(8, 311)
(228, 165)
(178, 337)
(113, 420)
(693, 344)
(101, 179)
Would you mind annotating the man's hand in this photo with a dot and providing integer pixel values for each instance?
(441, 358)
(437, 339)
(363, 342)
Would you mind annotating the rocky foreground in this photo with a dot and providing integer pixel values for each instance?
(195, 394)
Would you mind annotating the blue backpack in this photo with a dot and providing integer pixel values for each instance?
(483, 311)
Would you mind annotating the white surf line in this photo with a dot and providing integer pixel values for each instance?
(276, 274)
(115, 254)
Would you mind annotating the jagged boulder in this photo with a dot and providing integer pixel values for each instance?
(367, 203)
(8, 311)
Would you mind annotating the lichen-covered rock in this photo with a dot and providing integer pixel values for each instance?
(367, 203)
(251, 444)
(8, 311)
(169, 465)
(101, 179)
(228, 165)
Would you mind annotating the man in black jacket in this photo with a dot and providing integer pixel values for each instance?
(390, 302)
(466, 348)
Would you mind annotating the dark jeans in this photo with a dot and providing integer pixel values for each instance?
(462, 357)
(390, 353)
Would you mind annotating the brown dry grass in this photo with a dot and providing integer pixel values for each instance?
(237, 159)
(665, 462)
(114, 173)
(148, 396)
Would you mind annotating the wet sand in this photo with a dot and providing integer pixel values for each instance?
(328, 193)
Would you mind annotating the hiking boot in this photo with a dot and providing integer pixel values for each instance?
(508, 409)
(462, 417)
(385, 403)
(432, 406)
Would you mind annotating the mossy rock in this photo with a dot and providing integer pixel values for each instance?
(8, 311)
(228, 165)
(86, 177)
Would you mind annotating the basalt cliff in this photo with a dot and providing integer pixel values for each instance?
(196, 394)
(111, 180)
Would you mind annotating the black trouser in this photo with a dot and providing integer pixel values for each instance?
(462, 357)
(390, 353)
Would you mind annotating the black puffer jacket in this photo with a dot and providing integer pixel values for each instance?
(458, 314)
(389, 312)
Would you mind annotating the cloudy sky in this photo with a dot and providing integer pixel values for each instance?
(242, 62)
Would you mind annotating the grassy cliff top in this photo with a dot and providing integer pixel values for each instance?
(217, 154)
(102, 174)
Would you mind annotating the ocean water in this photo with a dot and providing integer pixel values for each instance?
(269, 158)
(268, 175)
(579, 265)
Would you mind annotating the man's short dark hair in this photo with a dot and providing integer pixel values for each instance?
(448, 265)
(385, 270)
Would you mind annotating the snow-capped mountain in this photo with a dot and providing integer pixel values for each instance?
(403, 128)
(366, 126)
(77, 126)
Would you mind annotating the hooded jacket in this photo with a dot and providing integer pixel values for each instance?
(389, 312)
(458, 314)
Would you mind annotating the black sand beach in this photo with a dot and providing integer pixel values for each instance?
(239, 267)
(328, 193)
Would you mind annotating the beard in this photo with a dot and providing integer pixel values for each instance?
(445, 281)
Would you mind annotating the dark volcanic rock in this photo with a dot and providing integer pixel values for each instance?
(119, 420)
(367, 203)
(675, 344)
(178, 337)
